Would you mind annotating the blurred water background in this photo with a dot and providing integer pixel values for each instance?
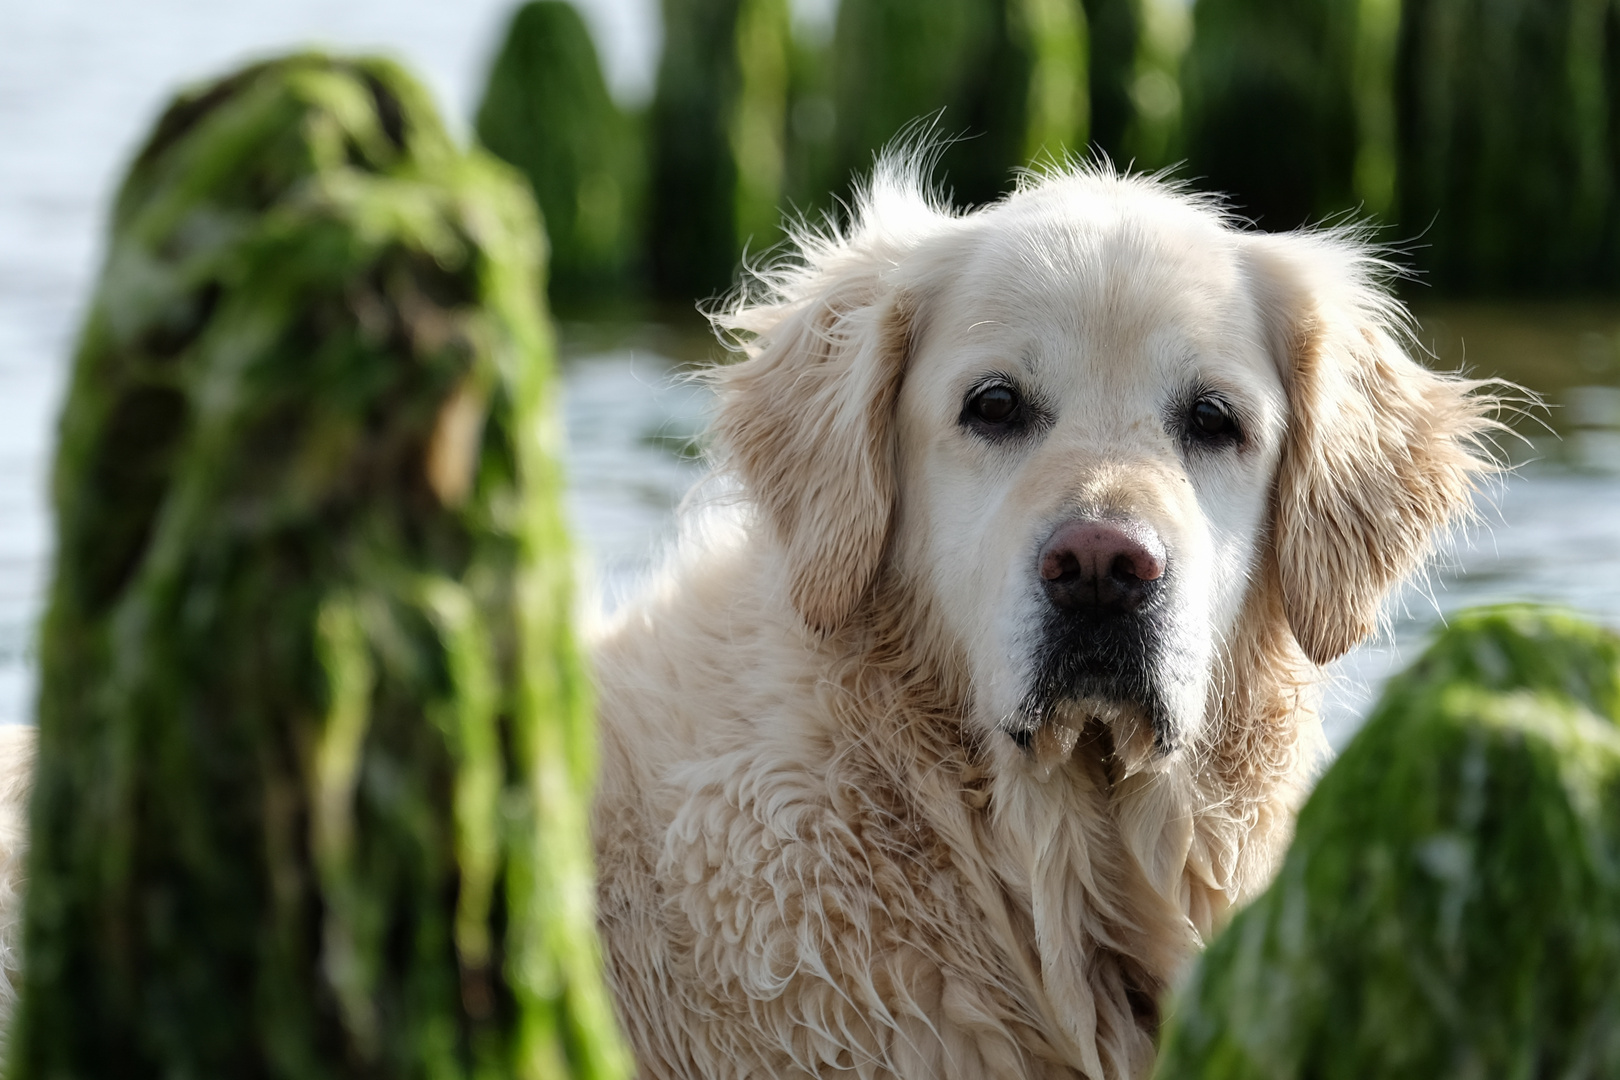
(81, 81)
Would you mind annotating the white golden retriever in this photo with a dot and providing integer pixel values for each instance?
(939, 750)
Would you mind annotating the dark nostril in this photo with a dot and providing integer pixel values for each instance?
(1101, 564)
(1139, 563)
(1059, 564)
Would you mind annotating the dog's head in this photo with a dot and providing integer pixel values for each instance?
(1082, 427)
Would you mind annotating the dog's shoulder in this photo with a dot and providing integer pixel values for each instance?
(774, 895)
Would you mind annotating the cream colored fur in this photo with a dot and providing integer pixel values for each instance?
(819, 850)
(16, 774)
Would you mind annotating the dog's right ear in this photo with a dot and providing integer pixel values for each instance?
(806, 422)
(1381, 453)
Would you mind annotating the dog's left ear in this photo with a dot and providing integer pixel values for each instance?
(807, 423)
(1380, 454)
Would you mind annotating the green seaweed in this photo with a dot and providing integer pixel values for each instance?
(1450, 906)
(314, 735)
(546, 110)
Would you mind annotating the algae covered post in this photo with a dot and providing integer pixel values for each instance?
(546, 109)
(1113, 39)
(717, 140)
(314, 735)
(1271, 104)
(1451, 902)
(1508, 144)
(1010, 75)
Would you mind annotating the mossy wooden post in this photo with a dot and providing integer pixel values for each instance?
(314, 736)
(546, 110)
(812, 119)
(1288, 106)
(1113, 46)
(1509, 144)
(1450, 906)
(1010, 75)
(718, 130)
(1153, 132)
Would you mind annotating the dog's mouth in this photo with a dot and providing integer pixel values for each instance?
(1118, 733)
(1093, 681)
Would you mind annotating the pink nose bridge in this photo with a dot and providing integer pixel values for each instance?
(1104, 563)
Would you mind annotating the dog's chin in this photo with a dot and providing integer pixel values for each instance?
(1128, 735)
(1130, 690)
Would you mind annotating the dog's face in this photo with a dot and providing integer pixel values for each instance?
(1087, 434)
(1087, 428)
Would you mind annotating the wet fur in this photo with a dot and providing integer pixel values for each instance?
(810, 861)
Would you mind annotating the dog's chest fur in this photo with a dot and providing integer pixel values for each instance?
(822, 873)
(820, 849)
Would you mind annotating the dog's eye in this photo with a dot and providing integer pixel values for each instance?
(995, 404)
(995, 408)
(1211, 423)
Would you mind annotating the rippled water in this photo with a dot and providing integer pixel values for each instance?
(80, 82)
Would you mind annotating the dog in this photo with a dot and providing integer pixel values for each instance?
(980, 686)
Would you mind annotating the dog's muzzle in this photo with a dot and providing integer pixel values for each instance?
(1104, 638)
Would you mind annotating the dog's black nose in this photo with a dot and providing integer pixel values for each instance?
(1102, 565)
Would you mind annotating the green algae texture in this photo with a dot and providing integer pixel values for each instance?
(546, 110)
(1509, 150)
(314, 734)
(1450, 907)
(1011, 77)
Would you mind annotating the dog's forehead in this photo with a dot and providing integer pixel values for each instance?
(1109, 278)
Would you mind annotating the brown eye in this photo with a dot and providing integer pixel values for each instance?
(997, 410)
(996, 405)
(1210, 421)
